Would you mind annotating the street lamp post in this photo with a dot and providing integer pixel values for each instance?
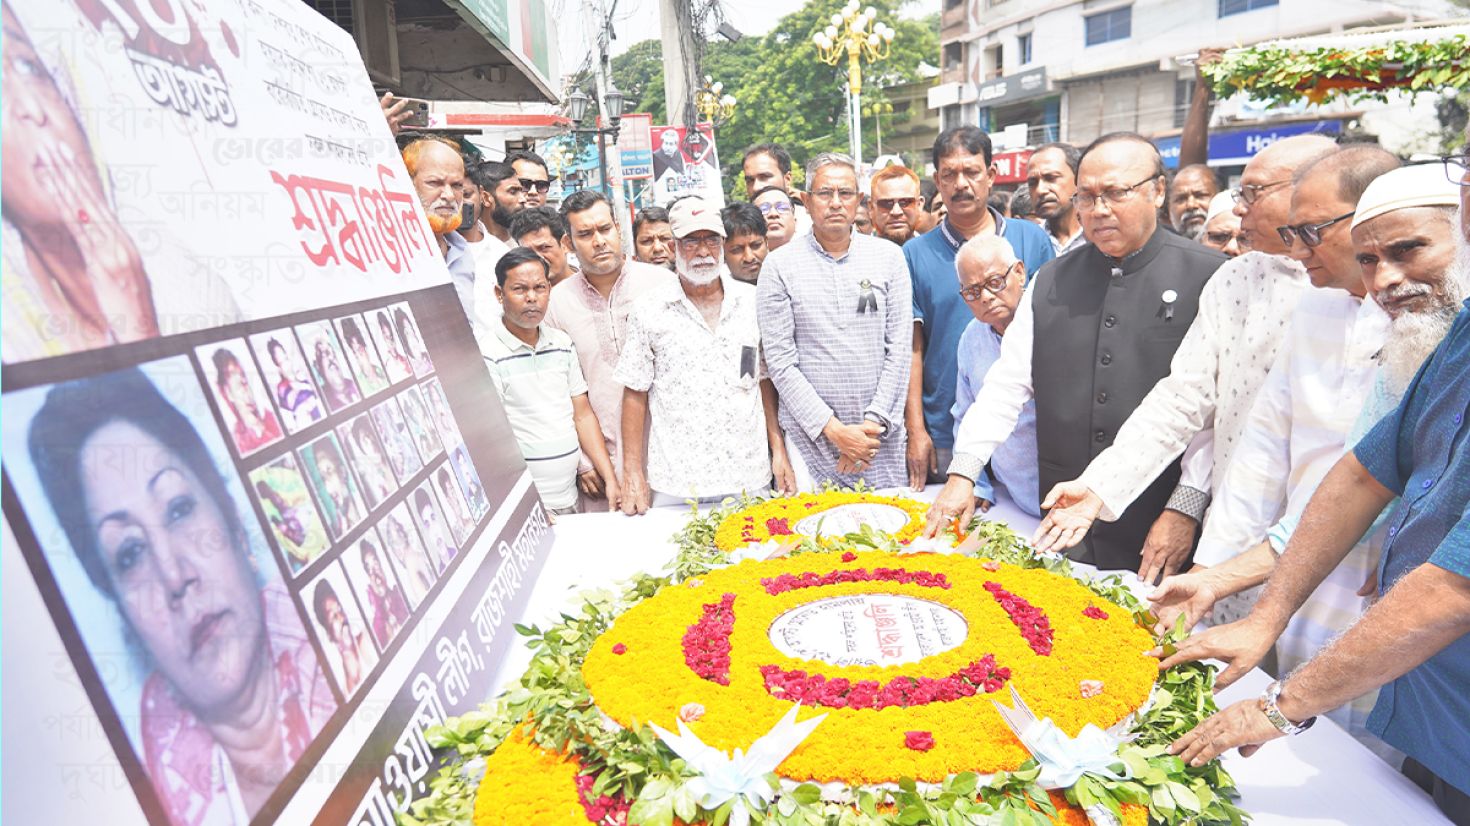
(577, 105)
(853, 33)
(713, 105)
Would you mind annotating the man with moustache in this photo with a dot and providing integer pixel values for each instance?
(780, 212)
(1413, 644)
(1213, 380)
(835, 313)
(1189, 199)
(1403, 235)
(437, 171)
(533, 175)
(592, 307)
(538, 377)
(1051, 178)
(964, 171)
(769, 165)
(1222, 226)
(1092, 337)
(896, 203)
(692, 374)
(745, 241)
(653, 241)
(541, 228)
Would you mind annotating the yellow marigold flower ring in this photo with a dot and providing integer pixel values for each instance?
(829, 513)
(544, 782)
(904, 653)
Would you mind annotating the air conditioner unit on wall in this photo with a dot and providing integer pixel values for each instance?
(376, 31)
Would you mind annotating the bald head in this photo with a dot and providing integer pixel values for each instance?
(1325, 194)
(991, 279)
(1353, 167)
(1120, 188)
(1266, 186)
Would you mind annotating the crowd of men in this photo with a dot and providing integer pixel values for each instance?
(1214, 389)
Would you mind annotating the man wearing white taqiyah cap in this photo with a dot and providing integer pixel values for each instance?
(692, 374)
(1200, 408)
(1222, 226)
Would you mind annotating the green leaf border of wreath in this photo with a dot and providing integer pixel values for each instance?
(1280, 75)
(554, 699)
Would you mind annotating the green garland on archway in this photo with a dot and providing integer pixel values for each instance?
(1282, 75)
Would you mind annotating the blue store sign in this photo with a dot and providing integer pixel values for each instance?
(1236, 147)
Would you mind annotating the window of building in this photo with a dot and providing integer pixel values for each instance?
(1183, 94)
(954, 56)
(1115, 24)
(1229, 7)
(995, 62)
(1023, 48)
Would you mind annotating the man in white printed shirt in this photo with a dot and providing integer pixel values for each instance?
(1214, 377)
(1403, 235)
(691, 364)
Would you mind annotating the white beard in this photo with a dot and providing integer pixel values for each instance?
(699, 274)
(1414, 335)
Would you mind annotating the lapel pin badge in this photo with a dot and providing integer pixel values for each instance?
(1169, 298)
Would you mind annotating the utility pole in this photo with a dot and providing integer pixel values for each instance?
(679, 68)
(613, 156)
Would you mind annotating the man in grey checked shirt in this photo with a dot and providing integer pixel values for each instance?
(836, 320)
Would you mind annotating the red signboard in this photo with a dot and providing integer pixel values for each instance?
(1010, 167)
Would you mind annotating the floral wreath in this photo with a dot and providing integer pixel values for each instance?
(545, 743)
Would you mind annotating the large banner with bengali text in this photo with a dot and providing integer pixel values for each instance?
(265, 519)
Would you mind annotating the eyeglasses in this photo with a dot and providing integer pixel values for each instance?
(828, 194)
(778, 206)
(1223, 239)
(1311, 234)
(1456, 167)
(1250, 193)
(887, 204)
(1113, 196)
(996, 284)
(693, 242)
(533, 184)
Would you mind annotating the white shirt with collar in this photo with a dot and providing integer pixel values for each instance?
(488, 252)
(707, 427)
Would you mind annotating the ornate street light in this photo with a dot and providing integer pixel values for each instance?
(714, 106)
(578, 103)
(854, 33)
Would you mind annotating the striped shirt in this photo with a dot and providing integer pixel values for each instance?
(536, 386)
(837, 334)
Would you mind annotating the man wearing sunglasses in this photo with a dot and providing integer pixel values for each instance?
(1201, 407)
(693, 381)
(991, 279)
(1094, 334)
(896, 203)
(532, 174)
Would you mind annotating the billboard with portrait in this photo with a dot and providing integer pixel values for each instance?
(265, 519)
(685, 163)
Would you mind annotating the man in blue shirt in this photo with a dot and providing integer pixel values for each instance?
(991, 280)
(1414, 642)
(964, 174)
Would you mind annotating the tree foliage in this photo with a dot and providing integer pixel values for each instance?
(787, 95)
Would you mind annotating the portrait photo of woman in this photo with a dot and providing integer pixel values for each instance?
(380, 323)
(369, 459)
(295, 524)
(469, 481)
(416, 414)
(361, 355)
(328, 365)
(376, 588)
(241, 399)
(413, 343)
(340, 628)
(397, 439)
(427, 515)
(287, 379)
(456, 510)
(336, 489)
(401, 539)
(126, 483)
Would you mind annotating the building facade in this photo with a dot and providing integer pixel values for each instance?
(1030, 71)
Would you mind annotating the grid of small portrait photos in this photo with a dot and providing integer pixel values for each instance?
(358, 469)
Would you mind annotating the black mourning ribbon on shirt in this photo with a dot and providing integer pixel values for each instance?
(747, 361)
(867, 301)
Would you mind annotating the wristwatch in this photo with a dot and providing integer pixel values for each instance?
(1273, 713)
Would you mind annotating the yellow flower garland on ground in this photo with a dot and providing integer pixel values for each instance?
(525, 784)
(753, 525)
(636, 671)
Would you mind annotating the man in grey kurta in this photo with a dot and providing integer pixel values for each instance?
(836, 320)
